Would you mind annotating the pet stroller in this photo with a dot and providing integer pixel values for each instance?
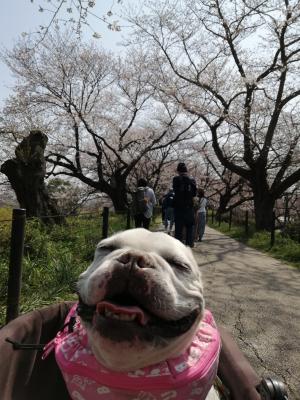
(25, 376)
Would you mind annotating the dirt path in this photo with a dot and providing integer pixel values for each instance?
(258, 299)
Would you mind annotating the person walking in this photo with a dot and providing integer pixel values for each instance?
(143, 203)
(168, 207)
(184, 192)
(200, 215)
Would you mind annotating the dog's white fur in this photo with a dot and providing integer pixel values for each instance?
(167, 267)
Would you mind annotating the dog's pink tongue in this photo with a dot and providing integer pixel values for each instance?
(117, 309)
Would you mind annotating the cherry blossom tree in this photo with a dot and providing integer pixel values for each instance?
(230, 189)
(102, 117)
(77, 15)
(26, 173)
(235, 64)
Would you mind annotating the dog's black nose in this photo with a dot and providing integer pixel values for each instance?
(142, 262)
(124, 258)
(134, 258)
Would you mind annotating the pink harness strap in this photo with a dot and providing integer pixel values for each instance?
(187, 377)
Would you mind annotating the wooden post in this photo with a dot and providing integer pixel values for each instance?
(212, 216)
(128, 219)
(230, 218)
(247, 222)
(272, 241)
(219, 218)
(105, 215)
(15, 263)
(286, 210)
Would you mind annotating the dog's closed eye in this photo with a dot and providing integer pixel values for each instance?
(103, 250)
(178, 264)
(107, 247)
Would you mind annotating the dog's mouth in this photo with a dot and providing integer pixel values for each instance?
(123, 309)
(122, 318)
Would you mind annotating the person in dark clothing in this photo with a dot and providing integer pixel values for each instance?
(168, 207)
(184, 191)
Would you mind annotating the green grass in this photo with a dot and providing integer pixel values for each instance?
(5, 214)
(284, 248)
(53, 257)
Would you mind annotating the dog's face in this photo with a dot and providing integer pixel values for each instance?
(141, 299)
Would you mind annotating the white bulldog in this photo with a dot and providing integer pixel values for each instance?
(141, 299)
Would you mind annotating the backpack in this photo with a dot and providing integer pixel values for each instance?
(140, 201)
(185, 191)
(189, 375)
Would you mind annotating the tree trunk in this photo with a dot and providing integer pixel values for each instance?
(26, 174)
(223, 203)
(263, 209)
(264, 202)
(119, 198)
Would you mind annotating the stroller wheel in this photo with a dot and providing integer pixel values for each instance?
(272, 389)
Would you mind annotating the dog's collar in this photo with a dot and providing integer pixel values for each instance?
(183, 375)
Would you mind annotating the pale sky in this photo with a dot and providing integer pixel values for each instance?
(19, 16)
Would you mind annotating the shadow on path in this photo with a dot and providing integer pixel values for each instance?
(258, 299)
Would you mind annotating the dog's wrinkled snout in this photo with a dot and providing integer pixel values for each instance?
(134, 258)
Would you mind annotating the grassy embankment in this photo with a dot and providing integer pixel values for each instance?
(284, 248)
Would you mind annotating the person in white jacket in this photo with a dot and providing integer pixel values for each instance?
(144, 201)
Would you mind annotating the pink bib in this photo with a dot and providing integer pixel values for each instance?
(187, 377)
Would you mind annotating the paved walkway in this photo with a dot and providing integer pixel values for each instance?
(258, 299)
